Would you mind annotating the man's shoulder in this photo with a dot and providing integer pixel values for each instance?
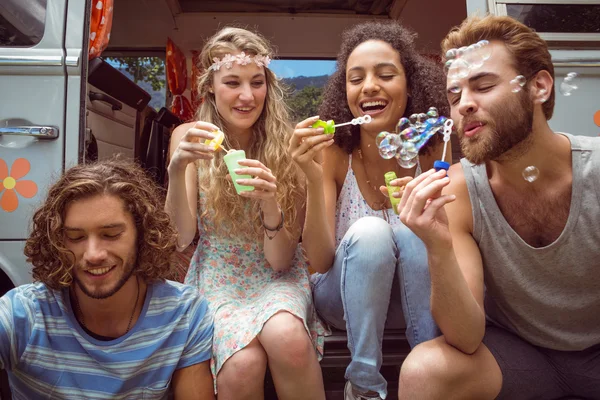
(460, 210)
(173, 301)
(458, 183)
(168, 288)
(582, 142)
(175, 295)
(31, 293)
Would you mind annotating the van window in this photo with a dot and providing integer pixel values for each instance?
(22, 22)
(563, 24)
(305, 80)
(565, 18)
(147, 72)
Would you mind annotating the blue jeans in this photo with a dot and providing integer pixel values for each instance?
(360, 294)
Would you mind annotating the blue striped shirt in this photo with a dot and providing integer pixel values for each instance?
(48, 355)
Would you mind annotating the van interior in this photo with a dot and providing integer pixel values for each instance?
(119, 117)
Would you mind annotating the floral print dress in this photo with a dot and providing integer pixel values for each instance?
(244, 292)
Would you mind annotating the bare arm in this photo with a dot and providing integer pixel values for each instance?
(193, 382)
(455, 263)
(278, 246)
(182, 193)
(318, 235)
(457, 288)
(280, 250)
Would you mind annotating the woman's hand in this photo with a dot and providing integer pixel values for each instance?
(305, 147)
(264, 182)
(191, 147)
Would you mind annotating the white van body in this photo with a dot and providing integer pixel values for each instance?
(44, 86)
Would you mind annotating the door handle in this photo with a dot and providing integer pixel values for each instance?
(116, 104)
(40, 132)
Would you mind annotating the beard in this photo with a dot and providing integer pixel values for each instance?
(509, 125)
(128, 268)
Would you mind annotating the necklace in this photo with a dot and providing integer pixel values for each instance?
(137, 296)
(381, 205)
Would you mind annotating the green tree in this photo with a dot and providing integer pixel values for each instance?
(144, 69)
(305, 103)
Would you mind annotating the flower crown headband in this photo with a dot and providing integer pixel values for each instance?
(241, 59)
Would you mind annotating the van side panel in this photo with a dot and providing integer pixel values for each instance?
(33, 95)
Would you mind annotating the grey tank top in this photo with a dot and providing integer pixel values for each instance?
(549, 296)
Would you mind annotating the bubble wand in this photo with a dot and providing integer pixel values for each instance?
(441, 164)
(217, 142)
(329, 126)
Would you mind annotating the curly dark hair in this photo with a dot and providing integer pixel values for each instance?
(425, 79)
(156, 237)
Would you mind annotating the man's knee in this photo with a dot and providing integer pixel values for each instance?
(439, 370)
(427, 363)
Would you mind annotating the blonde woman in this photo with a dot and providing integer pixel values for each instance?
(248, 262)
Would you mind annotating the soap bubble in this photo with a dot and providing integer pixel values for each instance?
(531, 173)
(447, 65)
(403, 124)
(484, 50)
(386, 149)
(517, 84)
(410, 134)
(380, 137)
(408, 164)
(473, 57)
(568, 85)
(450, 54)
(433, 112)
(408, 151)
(459, 69)
(418, 129)
(455, 87)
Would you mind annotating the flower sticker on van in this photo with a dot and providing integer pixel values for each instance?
(10, 184)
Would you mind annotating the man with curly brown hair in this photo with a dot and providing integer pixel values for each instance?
(102, 320)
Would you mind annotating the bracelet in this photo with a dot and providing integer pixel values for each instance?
(269, 229)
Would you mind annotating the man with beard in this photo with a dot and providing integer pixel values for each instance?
(514, 264)
(102, 321)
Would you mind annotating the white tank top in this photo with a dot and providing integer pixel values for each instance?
(351, 206)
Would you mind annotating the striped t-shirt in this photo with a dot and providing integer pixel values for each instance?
(48, 355)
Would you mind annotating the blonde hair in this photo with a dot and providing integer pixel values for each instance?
(223, 208)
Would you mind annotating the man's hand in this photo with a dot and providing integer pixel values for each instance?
(422, 208)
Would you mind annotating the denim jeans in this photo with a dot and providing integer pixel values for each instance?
(379, 274)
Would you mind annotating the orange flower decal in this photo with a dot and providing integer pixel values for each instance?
(10, 184)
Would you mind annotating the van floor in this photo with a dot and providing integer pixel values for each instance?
(334, 381)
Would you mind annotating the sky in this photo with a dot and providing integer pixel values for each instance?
(293, 68)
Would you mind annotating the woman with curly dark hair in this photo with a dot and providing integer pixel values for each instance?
(369, 265)
(102, 307)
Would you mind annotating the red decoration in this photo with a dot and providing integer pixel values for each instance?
(100, 26)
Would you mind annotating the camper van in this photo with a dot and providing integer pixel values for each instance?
(67, 99)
